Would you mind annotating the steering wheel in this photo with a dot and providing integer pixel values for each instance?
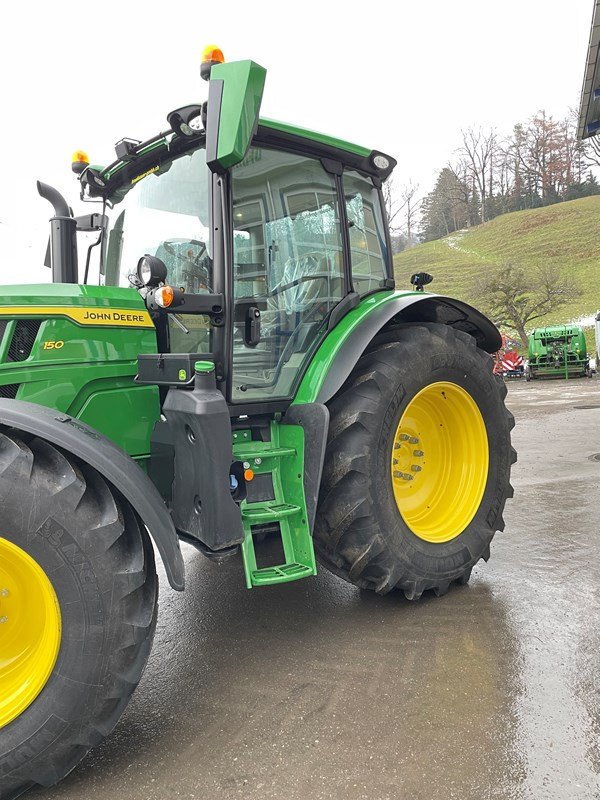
(313, 256)
(302, 279)
(196, 260)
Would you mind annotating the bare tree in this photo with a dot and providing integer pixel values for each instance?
(393, 206)
(401, 208)
(478, 152)
(464, 191)
(410, 204)
(592, 151)
(515, 299)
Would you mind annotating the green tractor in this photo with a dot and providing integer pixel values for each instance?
(559, 351)
(244, 367)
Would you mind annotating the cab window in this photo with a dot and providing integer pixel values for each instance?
(165, 214)
(368, 245)
(288, 263)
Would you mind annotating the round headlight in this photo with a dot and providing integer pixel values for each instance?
(381, 162)
(151, 271)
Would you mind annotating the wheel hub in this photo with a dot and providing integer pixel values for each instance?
(440, 460)
(30, 630)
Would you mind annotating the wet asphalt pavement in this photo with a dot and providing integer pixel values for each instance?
(317, 690)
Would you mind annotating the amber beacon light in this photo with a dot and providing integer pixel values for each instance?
(211, 55)
(79, 161)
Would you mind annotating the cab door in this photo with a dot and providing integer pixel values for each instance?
(288, 265)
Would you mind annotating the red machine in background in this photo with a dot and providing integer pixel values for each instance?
(507, 361)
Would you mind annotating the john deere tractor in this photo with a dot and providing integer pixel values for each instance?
(244, 367)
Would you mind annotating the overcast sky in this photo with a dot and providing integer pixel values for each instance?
(403, 78)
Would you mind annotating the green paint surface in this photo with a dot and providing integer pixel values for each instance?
(558, 350)
(315, 136)
(243, 85)
(330, 347)
(91, 376)
(283, 459)
(56, 294)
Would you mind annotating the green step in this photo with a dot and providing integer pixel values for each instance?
(283, 459)
(267, 576)
(277, 452)
(268, 512)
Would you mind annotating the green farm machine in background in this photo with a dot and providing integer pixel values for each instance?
(243, 366)
(558, 352)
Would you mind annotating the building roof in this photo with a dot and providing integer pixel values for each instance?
(589, 108)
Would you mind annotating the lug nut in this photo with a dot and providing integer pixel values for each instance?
(3, 592)
(3, 619)
(418, 453)
(404, 437)
(413, 439)
(416, 468)
(404, 475)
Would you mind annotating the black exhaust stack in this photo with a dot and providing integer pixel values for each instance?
(63, 237)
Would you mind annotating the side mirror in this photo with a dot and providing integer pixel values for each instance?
(420, 279)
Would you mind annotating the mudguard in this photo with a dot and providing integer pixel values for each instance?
(112, 463)
(339, 352)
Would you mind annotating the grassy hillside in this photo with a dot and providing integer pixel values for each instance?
(566, 235)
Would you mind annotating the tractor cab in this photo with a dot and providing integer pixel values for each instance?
(268, 237)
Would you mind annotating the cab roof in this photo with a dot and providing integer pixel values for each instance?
(270, 132)
(315, 136)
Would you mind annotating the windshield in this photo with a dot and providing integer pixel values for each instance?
(164, 213)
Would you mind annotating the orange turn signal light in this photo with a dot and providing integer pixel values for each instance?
(164, 296)
(248, 474)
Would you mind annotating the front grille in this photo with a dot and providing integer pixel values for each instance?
(23, 339)
(9, 390)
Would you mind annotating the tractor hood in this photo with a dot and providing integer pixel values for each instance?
(97, 306)
(75, 348)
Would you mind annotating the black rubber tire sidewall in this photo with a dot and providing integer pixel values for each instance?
(359, 533)
(100, 563)
(482, 387)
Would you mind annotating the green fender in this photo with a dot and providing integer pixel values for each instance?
(112, 463)
(343, 346)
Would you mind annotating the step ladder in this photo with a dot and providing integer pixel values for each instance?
(283, 459)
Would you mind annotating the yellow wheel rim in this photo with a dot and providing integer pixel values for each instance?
(30, 630)
(440, 460)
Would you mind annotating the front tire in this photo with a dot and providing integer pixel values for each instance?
(68, 537)
(417, 467)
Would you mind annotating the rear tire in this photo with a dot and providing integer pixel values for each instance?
(360, 533)
(93, 549)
